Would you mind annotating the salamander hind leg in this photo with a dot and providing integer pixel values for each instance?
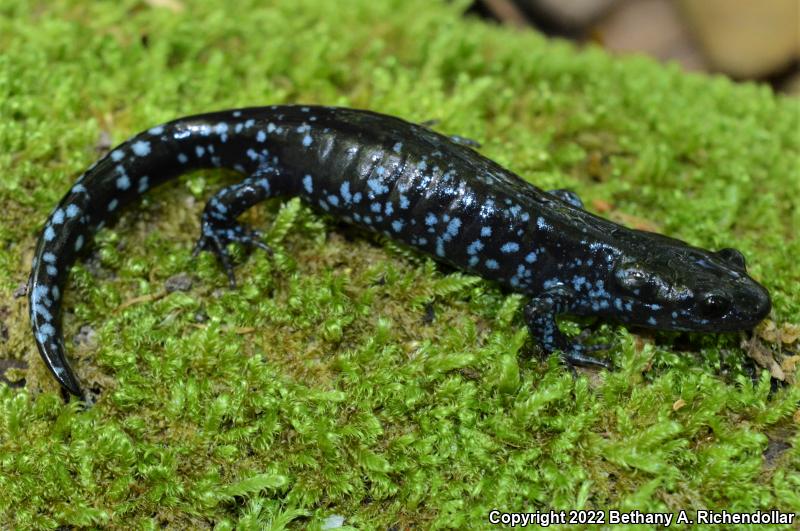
(457, 139)
(540, 315)
(218, 222)
(464, 141)
(568, 196)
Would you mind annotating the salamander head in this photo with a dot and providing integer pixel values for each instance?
(674, 286)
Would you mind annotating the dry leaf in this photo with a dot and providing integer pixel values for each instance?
(768, 331)
(790, 364)
(787, 334)
(601, 206)
(763, 357)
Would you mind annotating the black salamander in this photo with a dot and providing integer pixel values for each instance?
(431, 192)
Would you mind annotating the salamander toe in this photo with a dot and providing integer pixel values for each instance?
(215, 238)
(578, 355)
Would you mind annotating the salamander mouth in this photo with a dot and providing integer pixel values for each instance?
(759, 307)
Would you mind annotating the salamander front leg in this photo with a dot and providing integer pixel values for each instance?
(218, 223)
(540, 315)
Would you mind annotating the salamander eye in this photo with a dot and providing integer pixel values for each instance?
(713, 305)
(733, 257)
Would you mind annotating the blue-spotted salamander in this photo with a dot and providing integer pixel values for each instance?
(432, 192)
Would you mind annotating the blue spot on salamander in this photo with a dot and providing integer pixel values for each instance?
(377, 187)
(474, 247)
(141, 148)
(452, 228)
(509, 247)
(123, 182)
(344, 191)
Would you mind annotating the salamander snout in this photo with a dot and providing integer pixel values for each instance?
(752, 302)
(740, 306)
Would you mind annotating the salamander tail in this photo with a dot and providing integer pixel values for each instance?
(67, 231)
(45, 308)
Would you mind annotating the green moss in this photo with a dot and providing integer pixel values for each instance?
(322, 386)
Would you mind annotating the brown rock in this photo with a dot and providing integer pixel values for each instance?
(653, 27)
(571, 13)
(745, 38)
(792, 85)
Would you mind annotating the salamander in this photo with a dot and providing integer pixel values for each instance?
(432, 192)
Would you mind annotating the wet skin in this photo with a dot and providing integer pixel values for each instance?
(431, 192)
